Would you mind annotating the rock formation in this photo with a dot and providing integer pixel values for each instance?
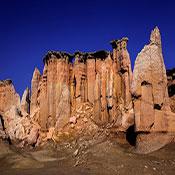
(153, 117)
(9, 99)
(34, 90)
(15, 122)
(79, 93)
(25, 102)
(8, 96)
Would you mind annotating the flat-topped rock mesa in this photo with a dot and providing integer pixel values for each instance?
(80, 93)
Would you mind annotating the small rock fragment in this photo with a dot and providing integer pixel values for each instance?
(73, 120)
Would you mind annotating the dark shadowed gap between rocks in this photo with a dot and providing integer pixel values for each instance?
(131, 135)
(2, 122)
(171, 90)
(3, 127)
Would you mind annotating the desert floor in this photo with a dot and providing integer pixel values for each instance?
(100, 157)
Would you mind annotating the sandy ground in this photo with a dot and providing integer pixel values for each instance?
(87, 157)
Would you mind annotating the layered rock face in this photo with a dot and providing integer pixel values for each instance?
(82, 92)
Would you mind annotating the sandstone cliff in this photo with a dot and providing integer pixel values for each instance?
(80, 93)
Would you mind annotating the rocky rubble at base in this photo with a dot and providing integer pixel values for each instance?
(81, 94)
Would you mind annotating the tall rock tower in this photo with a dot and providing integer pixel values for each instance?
(151, 101)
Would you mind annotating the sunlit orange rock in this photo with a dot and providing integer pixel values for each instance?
(151, 103)
(79, 93)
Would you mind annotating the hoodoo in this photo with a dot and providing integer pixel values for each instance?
(154, 120)
(81, 93)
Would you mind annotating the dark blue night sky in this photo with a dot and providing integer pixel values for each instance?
(29, 28)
